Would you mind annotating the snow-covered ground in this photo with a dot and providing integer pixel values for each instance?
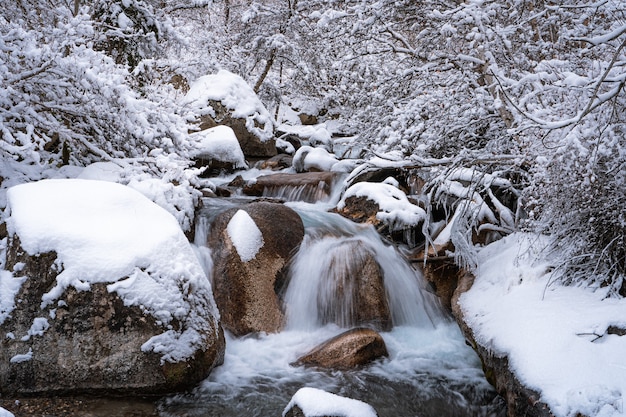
(555, 337)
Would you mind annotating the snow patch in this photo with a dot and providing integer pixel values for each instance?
(245, 235)
(9, 287)
(316, 402)
(22, 358)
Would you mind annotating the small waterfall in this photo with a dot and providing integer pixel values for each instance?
(308, 190)
(334, 249)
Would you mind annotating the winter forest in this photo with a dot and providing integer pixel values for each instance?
(530, 92)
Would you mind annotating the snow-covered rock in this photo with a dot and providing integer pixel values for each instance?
(395, 209)
(308, 158)
(226, 99)
(219, 147)
(5, 413)
(105, 294)
(250, 247)
(313, 402)
(563, 345)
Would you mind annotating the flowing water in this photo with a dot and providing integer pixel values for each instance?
(430, 370)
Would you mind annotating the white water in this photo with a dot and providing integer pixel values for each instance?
(335, 246)
(430, 370)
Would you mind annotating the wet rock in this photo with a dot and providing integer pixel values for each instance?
(277, 162)
(245, 289)
(351, 349)
(352, 291)
(308, 119)
(89, 342)
(520, 400)
(309, 186)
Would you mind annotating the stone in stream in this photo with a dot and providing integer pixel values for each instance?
(308, 186)
(352, 291)
(351, 349)
(226, 99)
(247, 277)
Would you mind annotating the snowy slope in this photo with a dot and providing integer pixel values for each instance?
(555, 337)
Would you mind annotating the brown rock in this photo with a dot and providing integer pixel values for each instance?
(353, 292)
(277, 162)
(246, 292)
(92, 343)
(308, 186)
(361, 210)
(351, 349)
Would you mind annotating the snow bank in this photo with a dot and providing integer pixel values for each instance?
(219, 143)
(245, 235)
(104, 232)
(555, 337)
(395, 208)
(315, 402)
(234, 93)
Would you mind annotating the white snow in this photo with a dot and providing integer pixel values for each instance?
(316, 135)
(103, 171)
(555, 336)
(9, 286)
(308, 158)
(315, 403)
(104, 232)
(22, 358)
(245, 235)
(395, 208)
(219, 143)
(5, 413)
(236, 95)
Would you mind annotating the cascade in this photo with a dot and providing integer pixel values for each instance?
(335, 248)
(430, 370)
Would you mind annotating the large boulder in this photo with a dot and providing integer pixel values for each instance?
(351, 349)
(101, 301)
(520, 399)
(226, 99)
(251, 246)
